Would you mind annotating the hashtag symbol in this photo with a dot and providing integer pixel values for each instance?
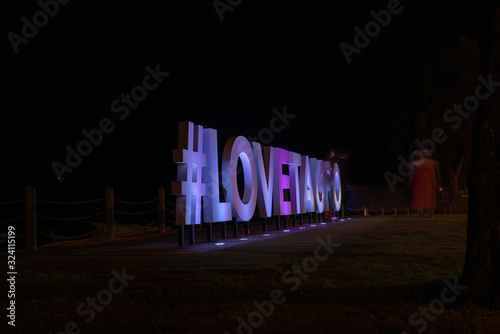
(189, 187)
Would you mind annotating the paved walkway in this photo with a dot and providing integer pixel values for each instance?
(257, 250)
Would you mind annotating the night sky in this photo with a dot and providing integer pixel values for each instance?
(227, 75)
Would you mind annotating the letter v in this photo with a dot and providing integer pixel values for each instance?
(265, 174)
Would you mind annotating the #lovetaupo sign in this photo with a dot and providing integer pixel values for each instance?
(280, 181)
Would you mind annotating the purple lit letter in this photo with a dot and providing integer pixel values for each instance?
(306, 193)
(189, 186)
(214, 210)
(316, 166)
(265, 174)
(295, 163)
(281, 182)
(337, 189)
(239, 148)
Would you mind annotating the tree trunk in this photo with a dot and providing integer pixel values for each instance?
(454, 188)
(481, 272)
(452, 178)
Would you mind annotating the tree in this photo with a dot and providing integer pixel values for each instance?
(446, 77)
(481, 270)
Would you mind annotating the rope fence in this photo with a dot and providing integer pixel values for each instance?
(72, 203)
(137, 203)
(13, 202)
(12, 220)
(105, 207)
(36, 209)
(17, 236)
(70, 219)
(68, 238)
(364, 211)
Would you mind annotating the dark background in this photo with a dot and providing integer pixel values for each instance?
(225, 75)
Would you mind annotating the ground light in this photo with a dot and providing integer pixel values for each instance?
(266, 235)
(323, 223)
(220, 243)
(313, 225)
(286, 231)
(243, 239)
(302, 228)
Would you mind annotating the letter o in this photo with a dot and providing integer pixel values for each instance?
(240, 148)
(371, 33)
(141, 96)
(258, 315)
(80, 148)
(468, 105)
(306, 267)
(101, 294)
(439, 303)
(269, 135)
(337, 187)
(45, 19)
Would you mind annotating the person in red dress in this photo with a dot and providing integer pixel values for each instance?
(424, 181)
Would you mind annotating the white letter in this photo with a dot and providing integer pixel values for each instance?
(265, 176)
(189, 186)
(281, 182)
(239, 148)
(214, 211)
(306, 193)
(295, 162)
(337, 191)
(317, 183)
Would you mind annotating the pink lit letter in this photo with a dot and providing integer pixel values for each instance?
(265, 174)
(239, 148)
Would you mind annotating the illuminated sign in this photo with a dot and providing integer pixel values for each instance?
(273, 179)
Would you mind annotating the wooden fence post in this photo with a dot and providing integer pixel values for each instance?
(110, 213)
(161, 209)
(382, 210)
(365, 212)
(31, 242)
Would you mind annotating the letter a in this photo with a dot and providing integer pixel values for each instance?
(16, 40)
(306, 187)
(221, 8)
(348, 50)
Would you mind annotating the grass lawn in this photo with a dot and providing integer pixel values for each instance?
(385, 269)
